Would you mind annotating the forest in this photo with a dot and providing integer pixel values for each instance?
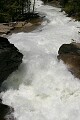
(12, 10)
(72, 7)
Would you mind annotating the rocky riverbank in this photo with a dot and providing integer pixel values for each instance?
(10, 57)
(20, 26)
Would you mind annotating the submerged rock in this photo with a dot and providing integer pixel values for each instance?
(6, 112)
(70, 54)
(10, 58)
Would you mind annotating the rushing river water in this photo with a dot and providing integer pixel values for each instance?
(42, 88)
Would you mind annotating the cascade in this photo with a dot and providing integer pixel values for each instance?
(43, 88)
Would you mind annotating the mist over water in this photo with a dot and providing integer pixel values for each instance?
(42, 88)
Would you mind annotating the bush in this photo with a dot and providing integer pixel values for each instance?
(72, 8)
(4, 17)
(69, 9)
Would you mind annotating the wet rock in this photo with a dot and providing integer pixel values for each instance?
(20, 24)
(10, 58)
(5, 28)
(72, 48)
(23, 23)
(70, 54)
(6, 112)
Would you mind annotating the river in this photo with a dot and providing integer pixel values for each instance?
(43, 88)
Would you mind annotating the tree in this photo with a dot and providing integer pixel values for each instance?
(33, 5)
(12, 9)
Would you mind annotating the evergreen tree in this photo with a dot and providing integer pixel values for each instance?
(12, 9)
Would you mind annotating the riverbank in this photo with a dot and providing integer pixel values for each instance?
(20, 26)
(71, 8)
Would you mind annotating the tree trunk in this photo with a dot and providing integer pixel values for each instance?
(34, 6)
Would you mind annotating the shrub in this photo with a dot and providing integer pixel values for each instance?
(69, 9)
(4, 17)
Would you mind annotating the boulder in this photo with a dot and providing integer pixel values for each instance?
(6, 112)
(70, 54)
(5, 28)
(20, 24)
(10, 58)
(71, 48)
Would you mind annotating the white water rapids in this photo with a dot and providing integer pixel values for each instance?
(42, 88)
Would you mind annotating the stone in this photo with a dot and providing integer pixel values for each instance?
(10, 58)
(28, 24)
(70, 54)
(5, 29)
(71, 48)
(6, 112)
(19, 24)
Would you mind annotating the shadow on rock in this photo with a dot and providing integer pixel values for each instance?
(6, 112)
(10, 58)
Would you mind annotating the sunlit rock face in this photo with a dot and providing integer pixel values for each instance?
(10, 58)
(70, 54)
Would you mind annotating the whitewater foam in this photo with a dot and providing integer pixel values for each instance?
(42, 88)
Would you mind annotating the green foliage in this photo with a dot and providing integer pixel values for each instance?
(10, 10)
(4, 17)
(71, 7)
(63, 2)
